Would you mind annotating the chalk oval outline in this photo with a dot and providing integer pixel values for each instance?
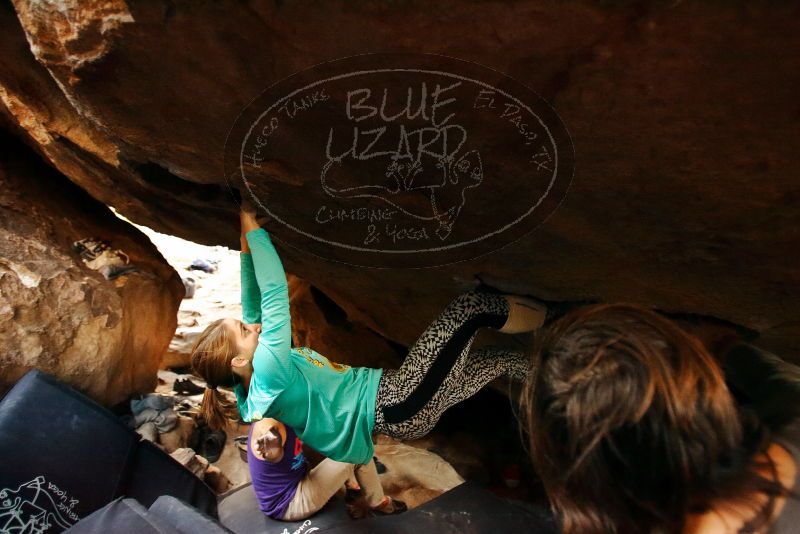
(569, 152)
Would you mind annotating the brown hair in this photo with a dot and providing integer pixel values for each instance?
(632, 427)
(211, 359)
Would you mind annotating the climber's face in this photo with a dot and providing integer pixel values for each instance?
(245, 336)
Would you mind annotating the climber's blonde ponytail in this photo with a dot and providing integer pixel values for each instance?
(216, 409)
(211, 359)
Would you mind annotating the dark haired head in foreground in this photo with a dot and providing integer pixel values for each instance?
(633, 429)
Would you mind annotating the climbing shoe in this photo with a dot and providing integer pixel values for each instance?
(212, 442)
(389, 506)
(185, 386)
(525, 314)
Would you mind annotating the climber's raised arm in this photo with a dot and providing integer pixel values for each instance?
(250, 293)
(275, 341)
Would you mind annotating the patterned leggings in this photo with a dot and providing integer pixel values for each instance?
(440, 371)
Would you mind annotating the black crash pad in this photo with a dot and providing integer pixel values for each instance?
(121, 515)
(466, 508)
(184, 518)
(167, 515)
(238, 510)
(65, 456)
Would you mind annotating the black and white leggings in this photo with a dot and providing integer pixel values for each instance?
(440, 371)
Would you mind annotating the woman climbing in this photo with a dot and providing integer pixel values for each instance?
(336, 408)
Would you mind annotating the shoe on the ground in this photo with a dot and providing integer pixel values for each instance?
(200, 264)
(185, 386)
(392, 507)
(212, 442)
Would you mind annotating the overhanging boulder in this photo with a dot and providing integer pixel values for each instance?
(683, 118)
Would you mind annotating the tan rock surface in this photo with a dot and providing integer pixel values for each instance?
(683, 116)
(319, 323)
(104, 337)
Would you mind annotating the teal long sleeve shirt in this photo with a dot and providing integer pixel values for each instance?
(330, 406)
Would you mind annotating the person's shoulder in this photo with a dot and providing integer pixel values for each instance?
(265, 350)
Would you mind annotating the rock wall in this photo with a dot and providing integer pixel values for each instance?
(320, 323)
(104, 337)
(684, 117)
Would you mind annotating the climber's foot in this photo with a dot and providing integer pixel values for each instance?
(525, 314)
(390, 506)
